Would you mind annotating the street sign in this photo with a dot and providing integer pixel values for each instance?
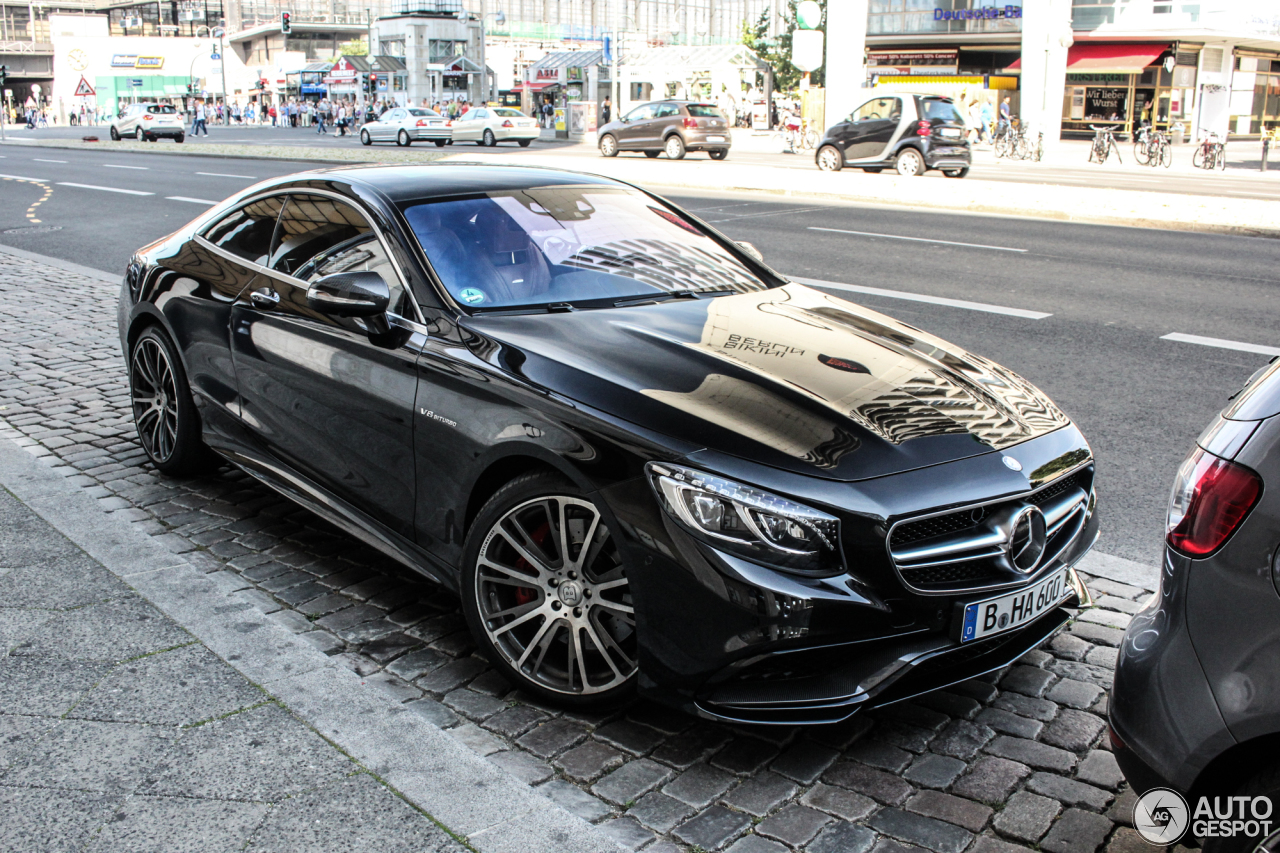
(135, 82)
(806, 49)
(84, 89)
(215, 56)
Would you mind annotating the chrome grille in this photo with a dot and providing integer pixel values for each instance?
(968, 548)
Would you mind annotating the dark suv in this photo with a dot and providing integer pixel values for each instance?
(1196, 701)
(674, 127)
(902, 131)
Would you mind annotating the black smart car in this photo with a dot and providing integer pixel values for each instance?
(906, 132)
(642, 458)
(1196, 702)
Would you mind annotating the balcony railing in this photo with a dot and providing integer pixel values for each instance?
(25, 47)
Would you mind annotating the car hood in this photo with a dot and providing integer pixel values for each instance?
(789, 377)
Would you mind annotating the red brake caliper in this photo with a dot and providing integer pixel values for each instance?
(524, 594)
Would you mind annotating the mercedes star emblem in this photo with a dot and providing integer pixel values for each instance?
(1027, 540)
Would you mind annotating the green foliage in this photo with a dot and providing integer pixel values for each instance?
(355, 47)
(777, 52)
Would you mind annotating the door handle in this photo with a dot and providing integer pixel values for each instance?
(264, 298)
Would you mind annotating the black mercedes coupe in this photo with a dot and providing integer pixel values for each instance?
(643, 460)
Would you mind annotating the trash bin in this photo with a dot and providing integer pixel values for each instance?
(1179, 135)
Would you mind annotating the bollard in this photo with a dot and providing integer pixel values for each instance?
(1266, 149)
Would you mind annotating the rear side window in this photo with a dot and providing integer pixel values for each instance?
(940, 109)
(666, 111)
(246, 232)
(161, 109)
(704, 111)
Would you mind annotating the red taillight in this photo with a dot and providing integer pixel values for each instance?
(421, 123)
(1211, 497)
(508, 123)
(691, 122)
(923, 128)
(148, 117)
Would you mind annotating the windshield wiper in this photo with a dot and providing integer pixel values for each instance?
(654, 298)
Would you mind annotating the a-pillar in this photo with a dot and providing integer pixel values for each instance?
(846, 60)
(1046, 36)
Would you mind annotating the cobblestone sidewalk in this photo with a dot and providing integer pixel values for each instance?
(120, 732)
(990, 766)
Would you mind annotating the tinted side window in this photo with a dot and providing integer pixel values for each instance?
(246, 232)
(643, 113)
(704, 111)
(666, 111)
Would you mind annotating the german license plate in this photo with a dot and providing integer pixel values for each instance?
(980, 619)
(950, 133)
(715, 139)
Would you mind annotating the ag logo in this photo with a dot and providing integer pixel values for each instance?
(1161, 816)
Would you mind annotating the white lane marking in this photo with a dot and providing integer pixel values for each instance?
(114, 166)
(920, 297)
(25, 178)
(1220, 343)
(917, 239)
(736, 216)
(221, 175)
(104, 189)
(38, 160)
(192, 200)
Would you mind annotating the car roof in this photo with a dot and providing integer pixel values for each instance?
(432, 180)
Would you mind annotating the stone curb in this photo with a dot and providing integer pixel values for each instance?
(360, 156)
(68, 266)
(494, 812)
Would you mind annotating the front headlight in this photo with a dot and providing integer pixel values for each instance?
(752, 523)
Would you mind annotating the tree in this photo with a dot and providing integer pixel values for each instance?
(777, 52)
(355, 47)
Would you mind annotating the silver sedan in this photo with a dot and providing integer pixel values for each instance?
(406, 125)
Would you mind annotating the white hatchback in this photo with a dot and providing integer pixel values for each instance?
(149, 122)
(491, 125)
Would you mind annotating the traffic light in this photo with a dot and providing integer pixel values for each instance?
(285, 26)
(373, 83)
(4, 74)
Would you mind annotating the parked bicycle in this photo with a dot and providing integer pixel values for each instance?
(1210, 153)
(1104, 142)
(1153, 148)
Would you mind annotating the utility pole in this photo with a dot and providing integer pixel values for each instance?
(222, 65)
(616, 86)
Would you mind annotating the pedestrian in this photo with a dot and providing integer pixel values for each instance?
(986, 116)
(1006, 115)
(606, 111)
(342, 120)
(200, 120)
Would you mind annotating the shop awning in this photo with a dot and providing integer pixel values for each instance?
(533, 87)
(1116, 58)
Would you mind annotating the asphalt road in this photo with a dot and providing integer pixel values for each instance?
(1242, 179)
(1080, 310)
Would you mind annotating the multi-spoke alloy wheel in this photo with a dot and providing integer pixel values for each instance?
(168, 426)
(155, 399)
(551, 594)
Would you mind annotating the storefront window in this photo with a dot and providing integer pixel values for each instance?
(1266, 97)
(1091, 14)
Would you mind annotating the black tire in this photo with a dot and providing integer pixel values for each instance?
(525, 143)
(164, 411)
(874, 170)
(652, 154)
(138, 135)
(909, 163)
(609, 145)
(440, 143)
(718, 153)
(674, 147)
(365, 138)
(956, 173)
(1264, 783)
(178, 139)
(403, 140)
(1197, 157)
(489, 139)
(115, 134)
(559, 603)
(829, 159)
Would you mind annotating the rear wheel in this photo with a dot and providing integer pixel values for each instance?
(909, 163)
(546, 595)
(1222, 158)
(440, 143)
(489, 139)
(365, 138)
(138, 135)
(1264, 784)
(180, 137)
(608, 145)
(525, 143)
(163, 409)
(718, 153)
(1197, 157)
(1141, 153)
(674, 147)
(829, 159)
(956, 173)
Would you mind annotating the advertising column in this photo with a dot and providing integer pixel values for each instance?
(846, 57)
(1046, 36)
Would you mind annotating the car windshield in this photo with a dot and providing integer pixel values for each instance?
(422, 112)
(587, 246)
(704, 110)
(940, 109)
(162, 109)
(508, 113)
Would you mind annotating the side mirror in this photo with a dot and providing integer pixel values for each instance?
(751, 250)
(352, 294)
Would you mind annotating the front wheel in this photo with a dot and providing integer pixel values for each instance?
(365, 138)
(1197, 157)
(608, 145)
(956, 173)
(402, 139)
(1222, 159)
(909, 163)
(489, 139)
(546, 595)
(163, 409)
(674, 147)
(718, 153)
(115, 134)
(829, 159)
